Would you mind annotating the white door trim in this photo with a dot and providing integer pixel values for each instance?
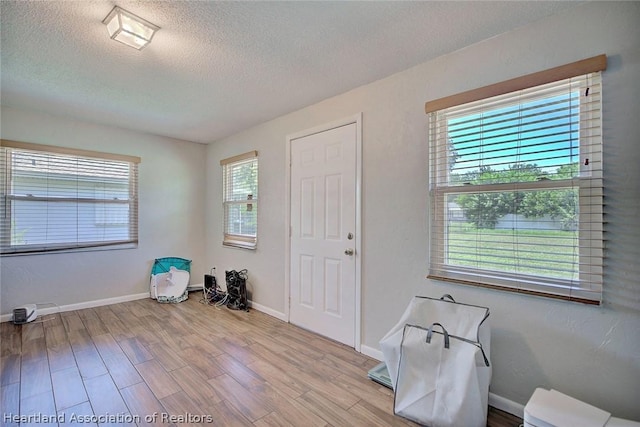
(357, 119)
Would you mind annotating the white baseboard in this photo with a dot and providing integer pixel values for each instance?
(496, 401)
(195, 287)
(266, 310)
(371, 352)
(81, 305)
(506, 405)
(108, 301)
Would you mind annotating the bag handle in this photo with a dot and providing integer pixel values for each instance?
(444, 332)
(447, 296)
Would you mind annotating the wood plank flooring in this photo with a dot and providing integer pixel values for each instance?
(144, 363)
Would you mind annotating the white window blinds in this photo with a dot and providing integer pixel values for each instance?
(516, 191)
(240, 200)
(56, 199)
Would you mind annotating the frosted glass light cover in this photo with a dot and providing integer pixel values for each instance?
(129, 29)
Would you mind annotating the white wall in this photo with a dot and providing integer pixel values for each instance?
(171, 216)
(592, 353)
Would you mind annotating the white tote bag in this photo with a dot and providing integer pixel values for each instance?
(462, 320)
(438, 383)
(465, 321)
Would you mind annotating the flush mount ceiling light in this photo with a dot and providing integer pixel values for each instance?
(129, 29)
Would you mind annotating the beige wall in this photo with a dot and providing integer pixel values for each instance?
(588, 352)
(171, 216)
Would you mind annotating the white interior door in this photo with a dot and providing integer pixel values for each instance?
(323, 241)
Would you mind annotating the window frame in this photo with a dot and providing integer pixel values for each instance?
(8, 198)
(235, 240)
(531, 284)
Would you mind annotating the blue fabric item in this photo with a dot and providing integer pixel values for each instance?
(163, 265)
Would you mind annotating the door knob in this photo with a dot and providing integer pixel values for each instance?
(348, 252)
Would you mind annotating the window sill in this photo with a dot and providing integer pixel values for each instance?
(553, 292)
(42, 251)
(240, 245)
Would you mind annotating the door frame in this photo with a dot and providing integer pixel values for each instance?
(357, 119)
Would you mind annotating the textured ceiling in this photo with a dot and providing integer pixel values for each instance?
(216, 68)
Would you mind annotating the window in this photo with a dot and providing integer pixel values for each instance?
(59, 199)
(516, 187)
(240, 200)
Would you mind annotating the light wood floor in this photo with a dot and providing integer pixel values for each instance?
(122, 363)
